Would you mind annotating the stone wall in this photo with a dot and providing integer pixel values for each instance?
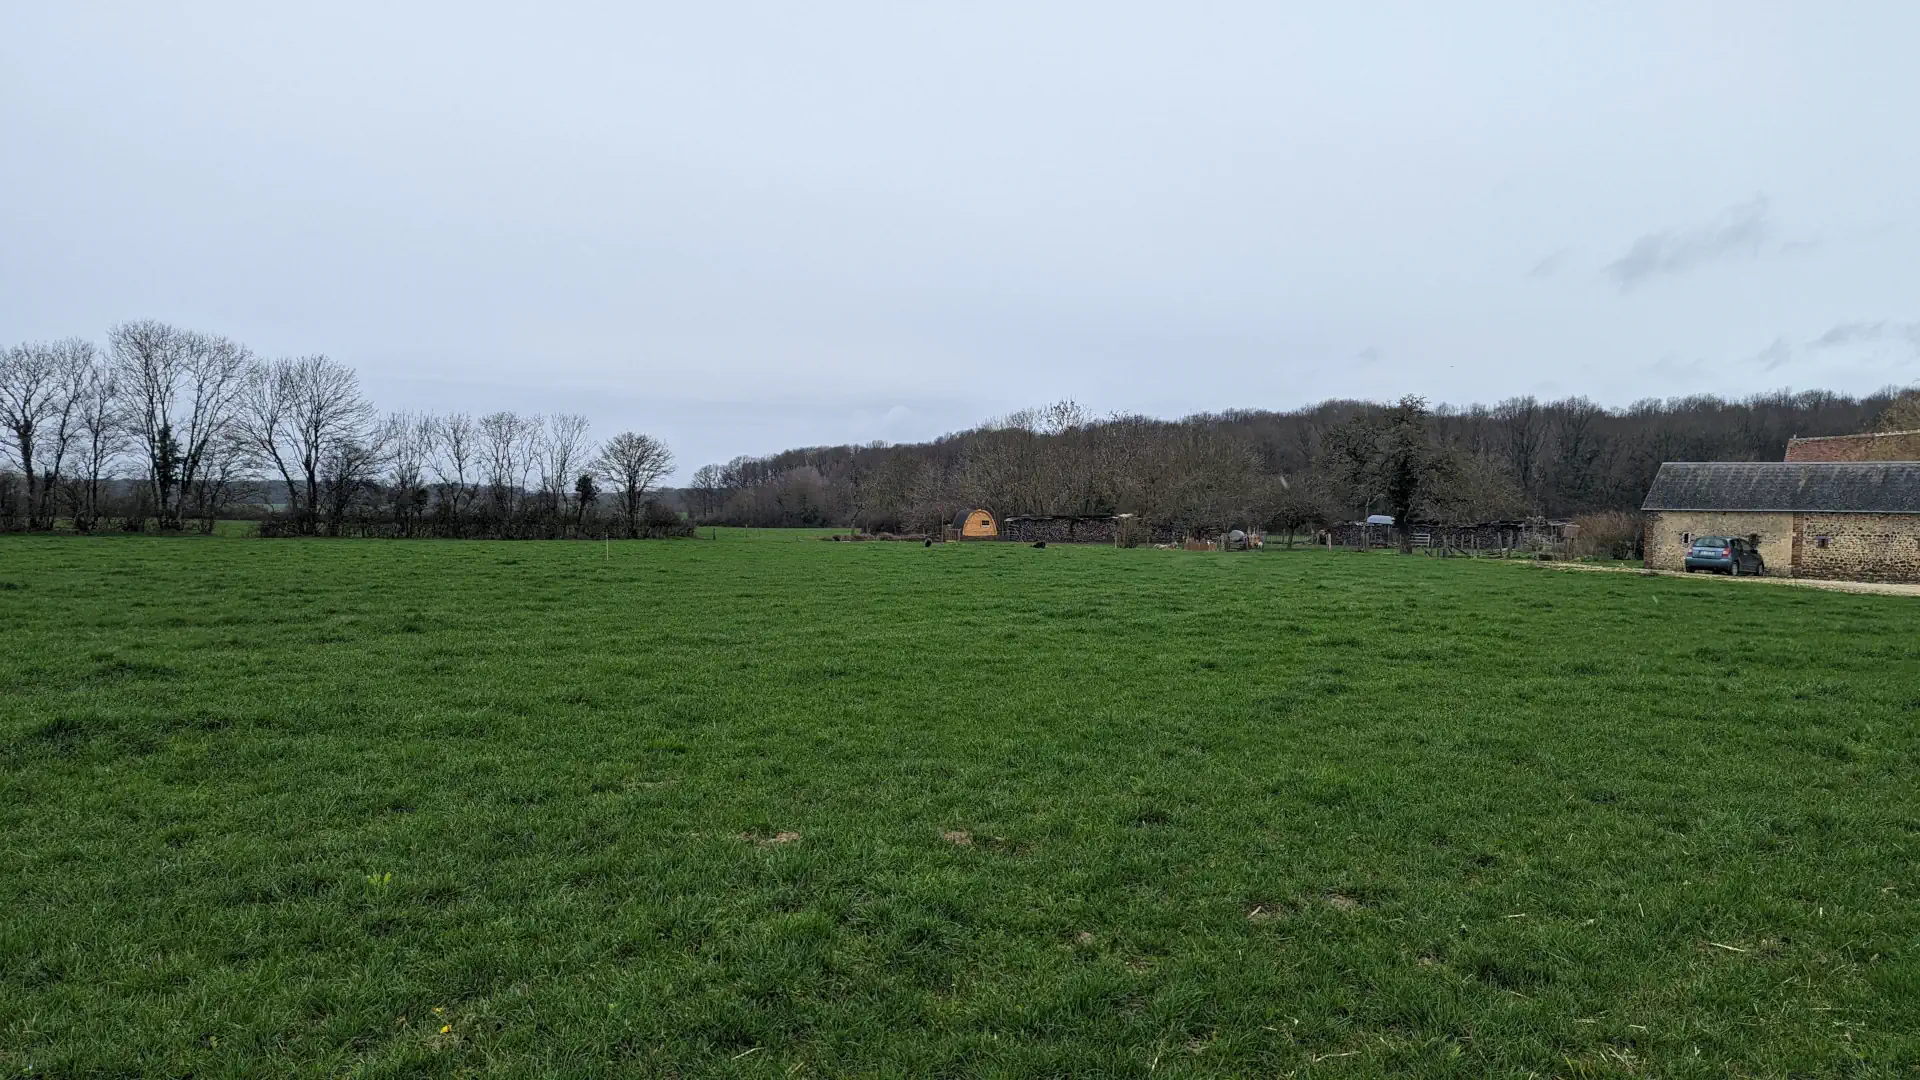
(1893, 446)
(1671, 532)
(1859, 547)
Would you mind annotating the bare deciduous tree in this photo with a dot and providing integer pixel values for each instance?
(266, 422)
(298, 414)
(146, 357)
(564, 452)
(530, 452)
(74, 364)
(502, 441)
(455, 461)
(216, 373)
(1524, 425)
(181, 392)
(218, 476)
(1297, 503)
(350, 471)
(101, 439)
(410, 441)
(29, 396)
(633, 463)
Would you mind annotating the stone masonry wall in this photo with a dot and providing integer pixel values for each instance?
(1893, 446)
(1859, 547)
(1670, 532)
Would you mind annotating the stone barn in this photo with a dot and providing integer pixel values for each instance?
(1845, 521)
(975, 525)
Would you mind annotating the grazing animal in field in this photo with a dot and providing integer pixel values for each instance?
(929, 543)
(1040, 544)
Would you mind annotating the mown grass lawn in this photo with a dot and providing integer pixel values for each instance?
(796, 808)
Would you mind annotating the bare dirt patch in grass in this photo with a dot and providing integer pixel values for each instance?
(782, 837)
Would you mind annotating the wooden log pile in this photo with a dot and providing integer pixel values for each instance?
(1084, 529)
(1488, 537)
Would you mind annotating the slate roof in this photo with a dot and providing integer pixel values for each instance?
(1852, 487)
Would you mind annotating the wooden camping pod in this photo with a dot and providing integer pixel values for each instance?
(975, 525)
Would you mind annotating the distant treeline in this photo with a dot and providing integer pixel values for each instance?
(168, 429)
(1330, 462)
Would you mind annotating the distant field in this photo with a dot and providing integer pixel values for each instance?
(786, 808)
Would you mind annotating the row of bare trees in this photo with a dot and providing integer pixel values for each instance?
(170, 428)
(1332, 462)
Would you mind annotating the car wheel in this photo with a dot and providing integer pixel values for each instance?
(1733, 568)
(1760, 568)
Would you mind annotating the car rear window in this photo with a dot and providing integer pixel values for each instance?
(1713, 541)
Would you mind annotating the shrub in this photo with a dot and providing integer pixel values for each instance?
(1609, 534)
(655, 514)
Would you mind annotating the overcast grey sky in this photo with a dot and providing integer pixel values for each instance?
(750, 226)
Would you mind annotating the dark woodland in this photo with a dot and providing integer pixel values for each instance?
(1334, 461)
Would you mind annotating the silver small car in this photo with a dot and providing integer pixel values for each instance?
(1730, 555)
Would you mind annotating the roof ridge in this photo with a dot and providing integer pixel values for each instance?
(1858, 435)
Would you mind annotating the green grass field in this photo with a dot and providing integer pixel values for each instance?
(760, 807)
